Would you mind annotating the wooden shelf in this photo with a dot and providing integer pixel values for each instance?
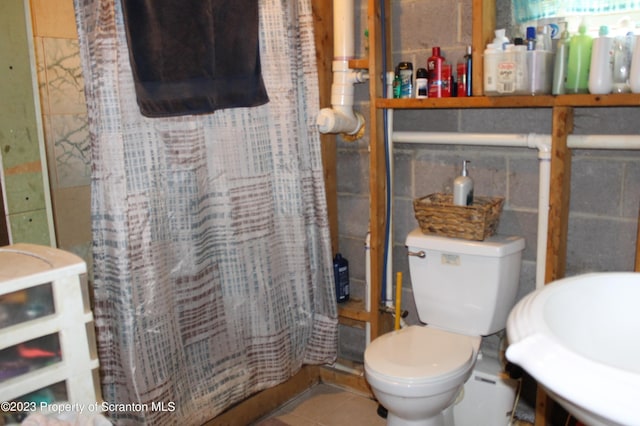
(359, 64)
(470, 102)
(354, 309)
(613, 100)
(544, 101)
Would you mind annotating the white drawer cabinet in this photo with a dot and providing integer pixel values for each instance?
(47, 339)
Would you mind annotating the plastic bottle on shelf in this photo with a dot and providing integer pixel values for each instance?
(601, 68)
(622, 49)
(468, 59)
(492, 56)
(579, 61)
(531, 38)
(500, 38)
(634, 75)
(397, 85)
(543, 38)
(405, 71)
(464, 71)
(506, 66)
(434, 70)
(509, 71)
(448, 82)
(341, 277)
(422, 89)
(491, 60)
(621, 65)
(540, 64)
(560, 65)
(522, 67)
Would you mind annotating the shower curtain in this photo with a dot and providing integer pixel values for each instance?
(212, 263)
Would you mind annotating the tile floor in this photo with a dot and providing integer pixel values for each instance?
(326, 405)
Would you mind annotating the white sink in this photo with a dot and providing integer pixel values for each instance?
(579, 337)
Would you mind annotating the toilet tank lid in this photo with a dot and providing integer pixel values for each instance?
(494, 246)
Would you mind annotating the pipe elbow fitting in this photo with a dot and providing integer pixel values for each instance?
(360, 76)
(542, 143)
(332, 120)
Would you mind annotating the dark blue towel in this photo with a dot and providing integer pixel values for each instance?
(194, 56)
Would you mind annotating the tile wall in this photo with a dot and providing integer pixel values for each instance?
(64, 115)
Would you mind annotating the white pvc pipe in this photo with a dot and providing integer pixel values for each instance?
(540, 142)
(341, 118)
(604, 141)
(617, 142)
(343, 30)
(389, 275)
(543, 144)
(367, 286)
(450, 138)
(346, 369)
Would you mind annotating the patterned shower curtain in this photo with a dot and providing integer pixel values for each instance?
(213, 274)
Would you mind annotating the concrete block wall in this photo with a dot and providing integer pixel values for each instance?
(605, 186)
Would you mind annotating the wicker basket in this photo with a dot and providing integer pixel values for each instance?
(437, 215)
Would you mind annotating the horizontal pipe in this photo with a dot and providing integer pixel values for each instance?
(453, 138)
(346, 369)
(631, 142)
(620, 142)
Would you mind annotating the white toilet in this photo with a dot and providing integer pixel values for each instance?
(463, 290)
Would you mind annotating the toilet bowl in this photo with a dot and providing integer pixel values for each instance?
(463, 290)
(419, 371)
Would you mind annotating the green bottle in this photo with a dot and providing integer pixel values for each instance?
(560, 64)
(579, 61)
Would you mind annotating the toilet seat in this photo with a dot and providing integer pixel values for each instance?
(419, 354)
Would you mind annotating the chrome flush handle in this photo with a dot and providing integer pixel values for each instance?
(421, 254)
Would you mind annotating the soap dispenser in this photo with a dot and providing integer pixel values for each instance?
(463, 187)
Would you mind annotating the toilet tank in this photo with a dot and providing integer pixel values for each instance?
(464, 286)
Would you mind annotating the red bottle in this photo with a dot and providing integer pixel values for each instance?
(447, 81)
(462, 79)
(434, 70)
